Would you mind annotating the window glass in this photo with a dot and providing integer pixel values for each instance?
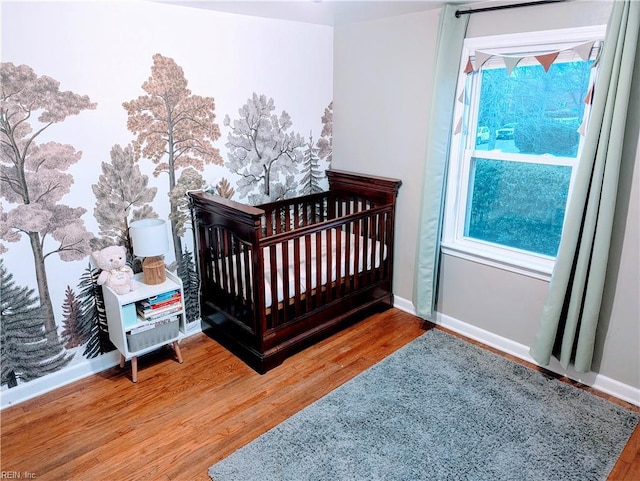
(516, 204)
(532, 111)
(521, 114)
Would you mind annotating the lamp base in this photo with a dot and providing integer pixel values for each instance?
(153, 270)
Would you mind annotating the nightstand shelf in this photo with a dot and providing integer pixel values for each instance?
(134, 335)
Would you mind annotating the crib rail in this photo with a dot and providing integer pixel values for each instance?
(328, 261)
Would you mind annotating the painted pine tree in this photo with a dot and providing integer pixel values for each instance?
(190, 286)
(224, 189)
(70, 319)
(25, 351)
(93, 318)
(311, 181)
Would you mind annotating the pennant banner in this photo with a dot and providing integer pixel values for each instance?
(584, 50)
(510, 63)
(469, 67)
(458, 127)
(547, 59)
(481, 58)
(589, 98)
(582, 130)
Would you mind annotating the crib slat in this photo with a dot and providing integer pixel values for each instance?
(285, 280)
(388, 242)
(365, 247)
(382, 243)
(296, 215)
(339, 263)
(296, 276)
(329, 265)
(214, 253)
(224, 250)
(242, 284)
(372, 240)
(318, 248)
(307, 267)
(274, 285)
(356, 253)
(349, 262)
(268, 223)
(247, 276)
(232, 259)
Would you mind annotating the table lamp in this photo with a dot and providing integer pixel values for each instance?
(149, 239)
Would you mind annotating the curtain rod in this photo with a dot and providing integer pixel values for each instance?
(502, 7)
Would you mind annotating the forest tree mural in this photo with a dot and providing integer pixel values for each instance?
(26, 352)
(34, 177)
(263, 151)
(123, 196)
(173, 129)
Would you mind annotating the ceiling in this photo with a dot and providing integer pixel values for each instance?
(327, 12)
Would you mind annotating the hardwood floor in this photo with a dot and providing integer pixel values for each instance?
(179, 419)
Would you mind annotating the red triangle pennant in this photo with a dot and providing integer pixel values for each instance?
(469, 67)
(589, 98)
(547, 59)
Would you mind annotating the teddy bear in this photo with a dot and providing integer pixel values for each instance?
(116, 274)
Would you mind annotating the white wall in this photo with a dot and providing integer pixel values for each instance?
(382, 85)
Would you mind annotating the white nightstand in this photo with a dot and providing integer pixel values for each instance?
(145, 319)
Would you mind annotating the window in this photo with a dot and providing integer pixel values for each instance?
(516, 145)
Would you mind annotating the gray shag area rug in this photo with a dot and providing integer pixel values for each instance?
(441, 409)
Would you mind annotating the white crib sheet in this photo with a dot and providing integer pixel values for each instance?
(231, 263)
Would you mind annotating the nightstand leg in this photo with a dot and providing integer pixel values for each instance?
(122, 360)
(176, 349)
(134, 368)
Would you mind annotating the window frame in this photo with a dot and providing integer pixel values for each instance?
(463, 144)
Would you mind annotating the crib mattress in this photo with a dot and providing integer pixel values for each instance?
(349, 263)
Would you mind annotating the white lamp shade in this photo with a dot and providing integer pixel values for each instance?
(149, 237)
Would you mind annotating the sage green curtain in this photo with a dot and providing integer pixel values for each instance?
(451, 32)
(570, 315)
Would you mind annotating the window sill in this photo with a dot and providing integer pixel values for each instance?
(538, 270)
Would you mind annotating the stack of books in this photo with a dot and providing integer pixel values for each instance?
(159, 306)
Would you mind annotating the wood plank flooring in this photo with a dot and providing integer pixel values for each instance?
(179, 419)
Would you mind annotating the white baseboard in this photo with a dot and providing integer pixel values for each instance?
(42, 385)
(597, 381)
(37, 387)
(75, 372)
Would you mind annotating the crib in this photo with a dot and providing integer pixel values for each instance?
(278, 277)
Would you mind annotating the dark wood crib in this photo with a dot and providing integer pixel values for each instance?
(278, 277)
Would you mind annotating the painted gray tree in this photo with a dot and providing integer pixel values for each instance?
(263, 152)
(325, 144)
(122, 196)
